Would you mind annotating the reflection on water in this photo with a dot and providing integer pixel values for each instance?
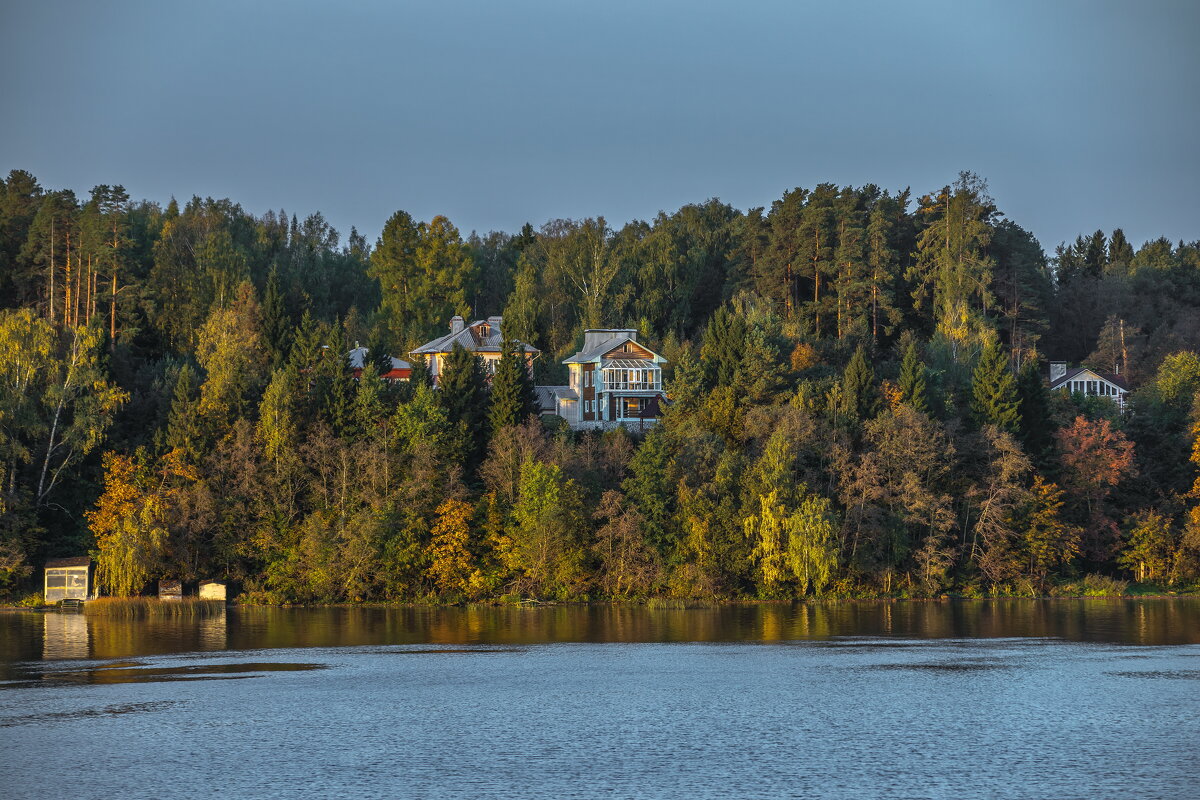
(214, 632)
(74, 636)
(64, 635)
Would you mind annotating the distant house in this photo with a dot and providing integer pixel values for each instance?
(170, 589)
(613, 380)
(69, 579)
(400, 371)
(1088, 382)
(482, 337)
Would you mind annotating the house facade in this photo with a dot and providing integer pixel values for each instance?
(1088, 382)
(482, 337)
(613, 380)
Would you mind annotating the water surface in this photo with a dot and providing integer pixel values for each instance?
(1061, 698)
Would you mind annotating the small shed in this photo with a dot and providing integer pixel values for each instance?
(170, 590)
(214, 590)
(69, 579)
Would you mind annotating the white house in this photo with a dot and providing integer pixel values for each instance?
(1085, 381)
(613, 381)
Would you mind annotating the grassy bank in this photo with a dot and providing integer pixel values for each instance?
(146, 607)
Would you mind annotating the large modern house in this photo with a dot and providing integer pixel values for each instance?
(482, 337)
(613, 381)
(1082, 380)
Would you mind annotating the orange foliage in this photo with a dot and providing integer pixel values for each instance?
(892, 395)
(804, 356)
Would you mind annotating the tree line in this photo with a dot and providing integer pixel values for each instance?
(857, 402)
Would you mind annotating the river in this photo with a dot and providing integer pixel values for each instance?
(1063, 698)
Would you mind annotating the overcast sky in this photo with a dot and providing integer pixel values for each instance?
(1080, 115)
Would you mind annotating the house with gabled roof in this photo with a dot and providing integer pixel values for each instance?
(613, 380)
(482, 337)
(1088, 382)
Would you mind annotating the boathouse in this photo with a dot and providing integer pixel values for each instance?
(69, 579)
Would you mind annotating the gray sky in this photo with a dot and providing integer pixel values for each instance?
(1081, 115)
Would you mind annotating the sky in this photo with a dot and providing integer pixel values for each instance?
(1081, 115)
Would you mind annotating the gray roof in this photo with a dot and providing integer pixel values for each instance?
(358, 355)
(548, 396)
(598, 351)
(470, 339)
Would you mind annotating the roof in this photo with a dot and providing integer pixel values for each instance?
(74, 561)
(628, 363)
(359, 354)
(548, 396)
(1073, 374)
(470, 339)
(598, 351)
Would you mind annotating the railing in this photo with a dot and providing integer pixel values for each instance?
(616, 386)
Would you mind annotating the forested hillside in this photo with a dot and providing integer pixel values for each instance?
(857, 390)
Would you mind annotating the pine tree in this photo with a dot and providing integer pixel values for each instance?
(994, 391)
(913, 390)
(512, 399)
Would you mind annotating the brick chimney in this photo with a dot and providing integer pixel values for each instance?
(456, 324)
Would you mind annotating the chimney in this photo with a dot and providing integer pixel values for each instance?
(494, 324)
(456, 324)
(1057, 370)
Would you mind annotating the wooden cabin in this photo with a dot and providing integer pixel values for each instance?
(170, 590)
(69, 579)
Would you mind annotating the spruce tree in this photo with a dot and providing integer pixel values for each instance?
(1034, 397)
(275, 321)
(185, 431)
(724, 346)
(994, 391)
(912, 379)
(512, 399)
(860, 397)
(464, 396)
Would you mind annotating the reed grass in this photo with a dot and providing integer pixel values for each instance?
(152, 607)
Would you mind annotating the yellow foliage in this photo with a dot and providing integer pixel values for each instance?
(451, 566)
(130, 522)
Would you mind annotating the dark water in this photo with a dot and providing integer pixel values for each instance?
(1020, 699)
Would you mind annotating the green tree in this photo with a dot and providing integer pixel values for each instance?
(1150, 549)
(1049, 540)
(994, 399)
(546, 533)
(185, 430)
(463, 393)
(511, 398)
(912, 378)
(953, 270)
(860, 396)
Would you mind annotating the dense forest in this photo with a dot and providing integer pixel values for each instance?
(857, 406)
